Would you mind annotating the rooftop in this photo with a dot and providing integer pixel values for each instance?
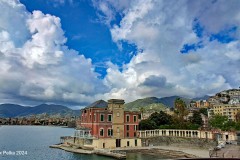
(98, 104)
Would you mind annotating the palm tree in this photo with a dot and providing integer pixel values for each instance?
(180, 108)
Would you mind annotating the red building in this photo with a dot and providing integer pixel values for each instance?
(106, 120)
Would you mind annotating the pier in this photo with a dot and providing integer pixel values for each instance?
(103, 152)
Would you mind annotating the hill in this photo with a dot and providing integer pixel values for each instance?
(154, 103)
(151, 103)
(13, 110)
(169, 101)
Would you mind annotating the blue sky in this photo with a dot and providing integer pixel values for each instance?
(75, 52)
(85, 32)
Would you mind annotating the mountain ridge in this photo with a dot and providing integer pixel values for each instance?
(149, 103)
(15, 110)
(167, 102)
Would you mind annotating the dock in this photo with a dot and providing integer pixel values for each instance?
(108, 153)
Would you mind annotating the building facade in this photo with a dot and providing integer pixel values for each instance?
(202, 104)
(110, 125)
(228, 110)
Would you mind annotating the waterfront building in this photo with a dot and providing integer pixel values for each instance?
(109, 125)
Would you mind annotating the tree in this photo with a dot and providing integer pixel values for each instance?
(218, 121)
(204, 111)
(196, 118)
(160, 118)
(180, 111)
(229, 126)
(147, 124)
(180, 108)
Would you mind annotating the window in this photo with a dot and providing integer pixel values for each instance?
(128, 143)
(127, 118)
(135, 134)
(101, 132)
(135, 142)
(127, 134)
(109, 118)
(139, 116)
(110, 132)
(90, 117)
(102, 117)
(127, 127)
(135, 127)
(134, 118)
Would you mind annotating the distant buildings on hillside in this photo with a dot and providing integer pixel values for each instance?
(34, 120)
(226, 103)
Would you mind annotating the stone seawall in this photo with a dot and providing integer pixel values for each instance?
(179, 141)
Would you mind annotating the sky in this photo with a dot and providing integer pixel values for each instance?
(74, 52)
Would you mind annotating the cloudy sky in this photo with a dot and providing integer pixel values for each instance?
(75, 52)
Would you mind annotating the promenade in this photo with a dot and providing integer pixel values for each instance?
(230, 151)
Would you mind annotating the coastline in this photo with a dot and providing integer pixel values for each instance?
(120, 153)
(38, 125)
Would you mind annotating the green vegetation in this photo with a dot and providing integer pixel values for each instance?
(203, 111)
(196, 118)
(147, 124)
(149, 104)
(155, 120)
(222, 122)
(161, 120)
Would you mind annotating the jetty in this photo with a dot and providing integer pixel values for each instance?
(103, 152)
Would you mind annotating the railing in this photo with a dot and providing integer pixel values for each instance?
(169, 132)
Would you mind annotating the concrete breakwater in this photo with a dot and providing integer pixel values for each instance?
(73, 149)
(121, 153)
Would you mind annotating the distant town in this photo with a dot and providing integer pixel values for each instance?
(42, 119)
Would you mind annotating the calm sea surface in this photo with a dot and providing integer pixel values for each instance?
(34, 141)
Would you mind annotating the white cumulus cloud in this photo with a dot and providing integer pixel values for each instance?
(36, 66)
(161, 29)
